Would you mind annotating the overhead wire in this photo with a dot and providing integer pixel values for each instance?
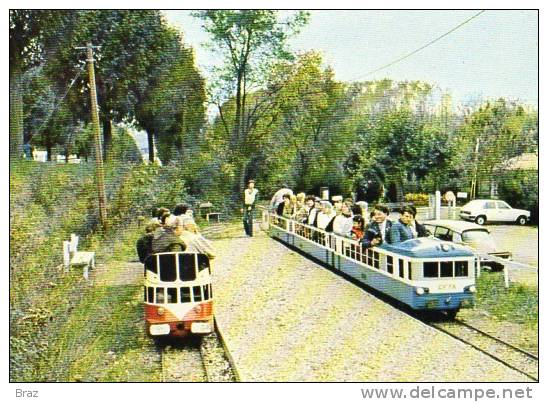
(58, 102)
(422, 47)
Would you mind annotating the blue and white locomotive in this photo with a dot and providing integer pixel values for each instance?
(423, 273)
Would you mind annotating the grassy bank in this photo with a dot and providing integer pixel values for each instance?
(57, 320)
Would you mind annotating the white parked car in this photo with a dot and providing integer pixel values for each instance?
(481, 211)
(470, 234)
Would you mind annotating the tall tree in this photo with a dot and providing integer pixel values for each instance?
(249, 41)
(496, 131)
(30, 33)
(171, 107)
(124, 62)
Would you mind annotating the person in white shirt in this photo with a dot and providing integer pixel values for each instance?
(250, 197)
(325, 215)
(341, 224)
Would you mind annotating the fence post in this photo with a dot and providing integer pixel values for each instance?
(506, 278)
(66, 255)
(437, 205)
(478, 266)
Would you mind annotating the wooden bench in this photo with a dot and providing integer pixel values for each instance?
(204, 210)
(74, 258)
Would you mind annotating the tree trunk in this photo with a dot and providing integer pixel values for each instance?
(107, 137)
(16, 113)
(150, 137)
(239, 182)
(237, 117)
(48, 150)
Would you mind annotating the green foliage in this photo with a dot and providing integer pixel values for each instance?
(124, 148)
(520, 189)
(250, 42)
(499, 130)
(418, 199)
(518, 304)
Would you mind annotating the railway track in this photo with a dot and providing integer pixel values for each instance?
(497, 349)
(194, 359)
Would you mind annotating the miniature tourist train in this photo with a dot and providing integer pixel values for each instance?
(424, 273)
(178, 297)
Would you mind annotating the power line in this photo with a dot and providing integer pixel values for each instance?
(422, 47)
(57, 103)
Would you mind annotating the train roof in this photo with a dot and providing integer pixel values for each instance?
(427, 247)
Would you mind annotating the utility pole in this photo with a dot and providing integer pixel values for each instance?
(99, 171)
(473, 188)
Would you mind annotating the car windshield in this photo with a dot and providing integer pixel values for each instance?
(479, 239)
(476, 236)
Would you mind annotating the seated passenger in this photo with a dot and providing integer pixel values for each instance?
(358, 227)
(166, 239)
(401, 230)
(417, 227)
(337, 203)
(179, 210)
(311, 210)
(377, 230)
(325, 215)
(277, 198)
(285, 208)
(157, 214)
(144, 244)
(195, 242)
(341, 224)
(318, 207)
(301, 214)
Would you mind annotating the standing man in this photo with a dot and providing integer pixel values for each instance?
(250, 196)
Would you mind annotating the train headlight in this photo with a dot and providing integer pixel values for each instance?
(161, 311)
(419, 291)
(445, 247)
(472, 289)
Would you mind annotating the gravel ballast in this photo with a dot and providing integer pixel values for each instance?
(285, 318)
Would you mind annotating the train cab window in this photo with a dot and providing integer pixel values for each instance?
(145, 295)
(197, 293)
(390, 264)
(172, 295)
(409, 274)
(430, 270)
(206, 292)
(446, 269)
(461, 268)
(203, 262)
(168, 268)
(187, 268)
(150, 294)
(160, 296)
(210, 291)
(401, 271)
(185, 295)
(150, 264)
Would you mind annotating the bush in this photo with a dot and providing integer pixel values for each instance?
(520, 190)
(419, 199)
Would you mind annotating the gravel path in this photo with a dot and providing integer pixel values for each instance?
(284, 318)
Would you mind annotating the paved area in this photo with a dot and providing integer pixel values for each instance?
(521, 241)
(285, 318)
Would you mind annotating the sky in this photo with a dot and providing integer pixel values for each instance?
(494, 55)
